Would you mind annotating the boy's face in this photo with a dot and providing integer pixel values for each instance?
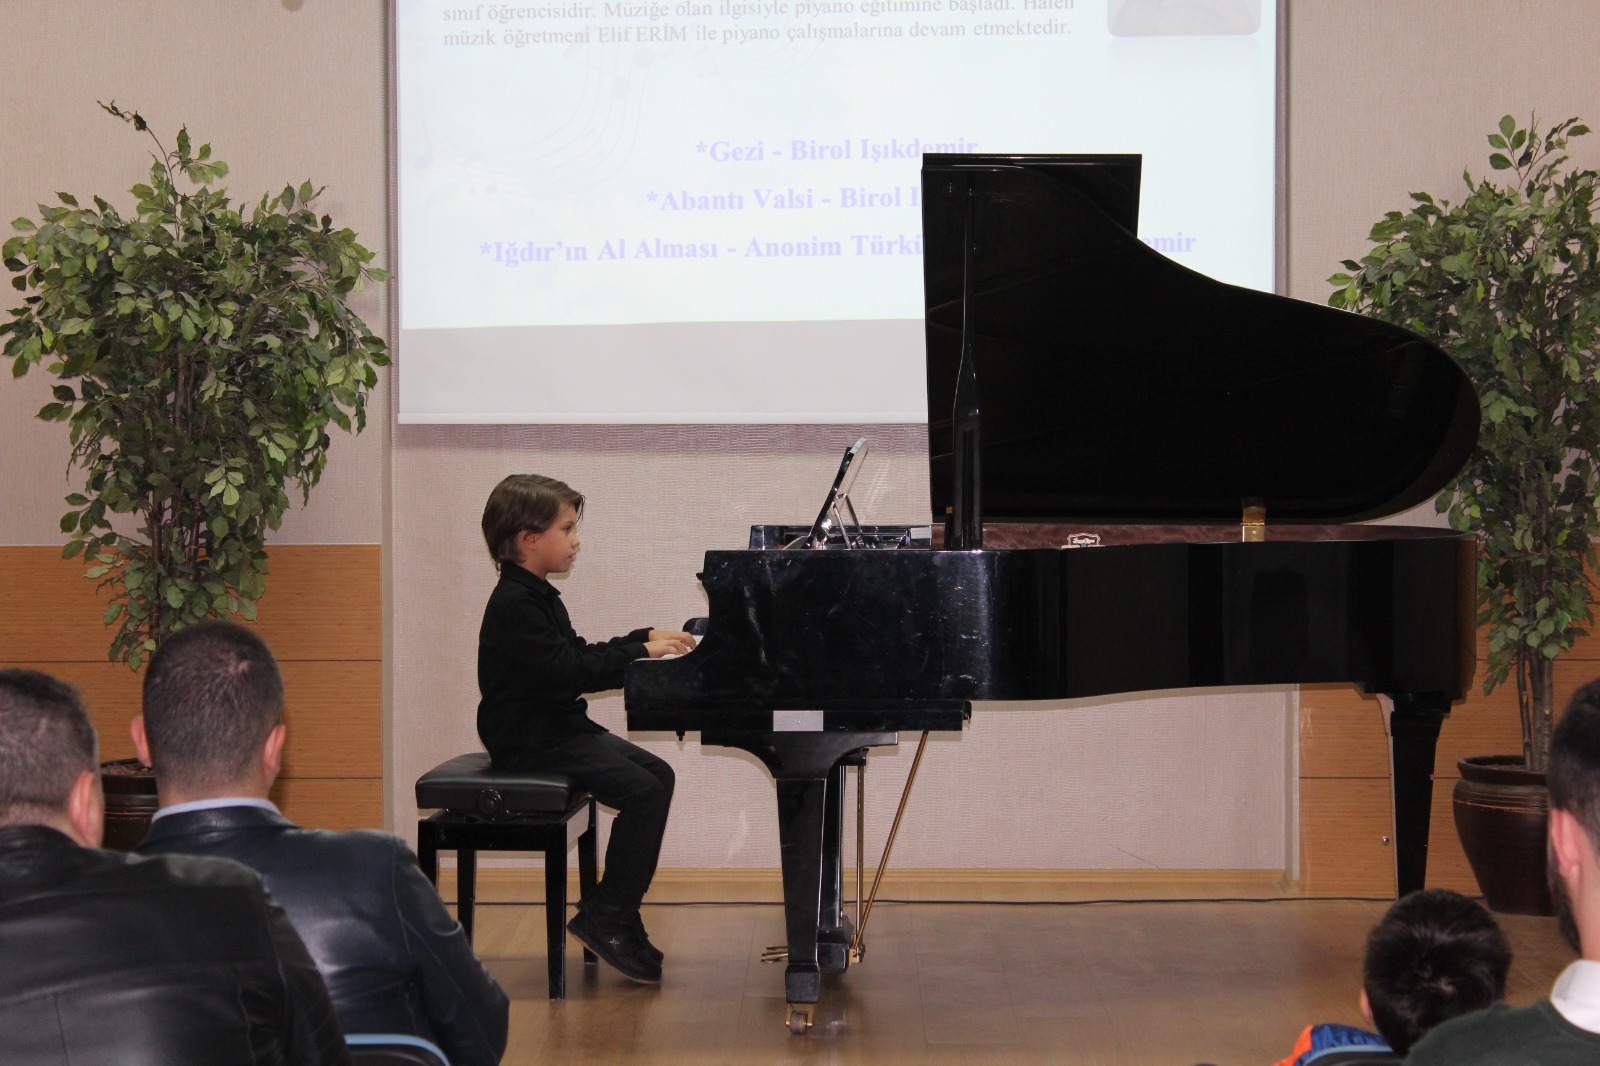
(554, 550)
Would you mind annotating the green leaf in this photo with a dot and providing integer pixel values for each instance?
(174, 596)
(1499, 162)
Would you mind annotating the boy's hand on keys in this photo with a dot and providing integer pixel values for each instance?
(664, 643)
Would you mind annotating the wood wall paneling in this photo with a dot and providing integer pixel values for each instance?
(331, 803)
(1447, 863)
(1344, 772)
(1346, 829)
(322, 617)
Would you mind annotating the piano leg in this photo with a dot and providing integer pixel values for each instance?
(800, 814)
(806, 767)
(834, 929)
(1413, 735)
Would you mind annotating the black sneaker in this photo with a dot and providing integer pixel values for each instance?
(617, 947)
(636, 927)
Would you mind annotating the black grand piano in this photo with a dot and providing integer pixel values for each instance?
(1141, 480)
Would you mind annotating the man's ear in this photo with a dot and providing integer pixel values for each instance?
(272, 751)
(1366, 1008)
(1568, 842)
(86, 809)
(141, 743)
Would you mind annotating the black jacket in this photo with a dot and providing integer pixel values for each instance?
(533, 668)
(393, 958)
(108, 959)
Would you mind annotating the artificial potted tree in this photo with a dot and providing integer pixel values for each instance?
(201, 352)
(1508, 281)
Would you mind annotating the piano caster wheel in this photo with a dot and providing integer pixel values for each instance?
(800, 1018)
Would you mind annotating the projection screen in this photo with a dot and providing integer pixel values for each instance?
(706, 211)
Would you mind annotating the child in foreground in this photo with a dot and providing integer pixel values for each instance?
(1435, 955)
(533, 669)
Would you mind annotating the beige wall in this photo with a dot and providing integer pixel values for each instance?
(1391, 96)
(1384, 97)
(284, 91)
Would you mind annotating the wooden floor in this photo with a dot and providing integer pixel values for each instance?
(1125, 983)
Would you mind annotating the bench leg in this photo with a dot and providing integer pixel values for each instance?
(466, 887)
(428, 851)
(588, 872)
(555, 916)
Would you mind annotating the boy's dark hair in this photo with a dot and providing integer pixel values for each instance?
(1435, 955)
(212, 693)
(523, 502)
(46, 742)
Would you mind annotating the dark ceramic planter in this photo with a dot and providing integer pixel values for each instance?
(130, 789)
(1502, 815)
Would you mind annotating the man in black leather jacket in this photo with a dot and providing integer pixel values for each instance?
(107, 958)
(394, 959)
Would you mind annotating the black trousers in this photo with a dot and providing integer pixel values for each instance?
(624, 776)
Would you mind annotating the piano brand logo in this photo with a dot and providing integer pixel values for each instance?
(1082, 540)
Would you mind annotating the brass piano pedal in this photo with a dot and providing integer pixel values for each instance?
(857, 953)
(776, 953)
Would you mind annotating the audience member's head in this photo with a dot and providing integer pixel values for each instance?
(1435, 955)
(213, 699)
(49, 762)
(523, 502)
(1573, 775)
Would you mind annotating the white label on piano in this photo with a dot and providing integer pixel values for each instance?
(797, 721)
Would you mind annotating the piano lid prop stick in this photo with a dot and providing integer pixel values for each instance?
(888, 845)
(966, 449)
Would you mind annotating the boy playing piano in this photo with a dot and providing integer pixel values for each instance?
(532, 672)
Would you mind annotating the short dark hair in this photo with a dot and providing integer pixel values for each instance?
(521, 502)
(212, 693)
(1433, 956)
(46, 743)
(1573, 771)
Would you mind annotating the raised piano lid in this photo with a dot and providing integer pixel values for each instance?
(1117, 385)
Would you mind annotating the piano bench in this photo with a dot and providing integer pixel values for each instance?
(483, 809)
